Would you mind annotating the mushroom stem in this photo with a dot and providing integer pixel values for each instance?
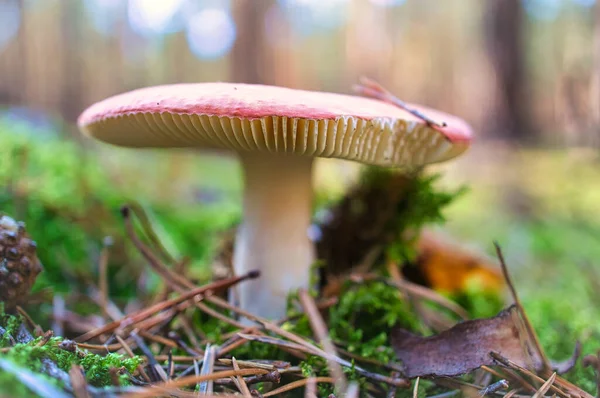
(273, 236)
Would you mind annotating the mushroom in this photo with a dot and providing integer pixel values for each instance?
(276, 132)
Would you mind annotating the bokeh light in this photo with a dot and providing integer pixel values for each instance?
(388, 3)
(543, 10)
(308, 17)
(210, 33)
(151, 17)
(104, 14)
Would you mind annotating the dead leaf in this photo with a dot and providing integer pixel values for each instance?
(464, 347)
(449, 266)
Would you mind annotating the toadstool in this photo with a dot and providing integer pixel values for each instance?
(276, 132)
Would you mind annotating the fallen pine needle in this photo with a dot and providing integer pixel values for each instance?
(297, 384)
(545, 387)
(240, 380)
(320, 330)
(191, 380)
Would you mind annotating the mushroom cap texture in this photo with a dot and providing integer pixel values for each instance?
(248, 117)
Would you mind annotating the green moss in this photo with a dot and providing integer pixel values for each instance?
(30, 356)
(422, 203)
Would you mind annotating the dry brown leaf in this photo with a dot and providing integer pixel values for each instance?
(449, 266)
(464, 347)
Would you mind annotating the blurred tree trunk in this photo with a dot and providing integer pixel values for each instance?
(71, 101)
(510, 116)
(250, 60)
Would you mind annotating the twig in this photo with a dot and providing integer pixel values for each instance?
(493, 388)
(271, 377)
(302, 343)
(249, 364)
(297, 384)
(545, 387)
(373, 89)
(166, 273)
(143, 314)
(58, 314)
(510, 374)
(149, 231)
(310, 391)
(158, 339)
(37, 329)
(399, 382)
(152, 362)
(129, 352)
(546, 367)
(208, 362)
(353, 390)
(511, 393)
(510, 364)
(392, 390)
(416, 388)
(320, 330)
(170, 365)
(78, 382)
(103, 273)
(190, 380)
(242, 384)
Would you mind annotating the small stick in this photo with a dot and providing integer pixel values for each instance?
(37, 329)
(296, 384)
(320, 330)
(546, 367)
(158, 339)
(190, 380)
(545, 387)
(493, 388)
(149, 231)
(103, 273)
(510, 364)
(165, 272)
(416, 388)
(58, 314)
(242, 384)
(78, 382)
(152, 362)
(510, 374)
(129, 352)
(143, 314)
(353, 390)
(170, 364)
(208, 363)
(371, 88)
(310, 391)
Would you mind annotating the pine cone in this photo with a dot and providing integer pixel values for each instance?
(19, 264)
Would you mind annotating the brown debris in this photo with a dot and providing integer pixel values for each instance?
(462, 348)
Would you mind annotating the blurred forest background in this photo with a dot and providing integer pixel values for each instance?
(524, 73)
(524, 70)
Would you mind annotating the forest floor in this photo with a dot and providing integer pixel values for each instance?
(108, 316)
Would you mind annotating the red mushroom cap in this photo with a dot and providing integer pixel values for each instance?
(275, 119)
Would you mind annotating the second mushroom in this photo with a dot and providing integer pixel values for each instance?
(276, 132)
